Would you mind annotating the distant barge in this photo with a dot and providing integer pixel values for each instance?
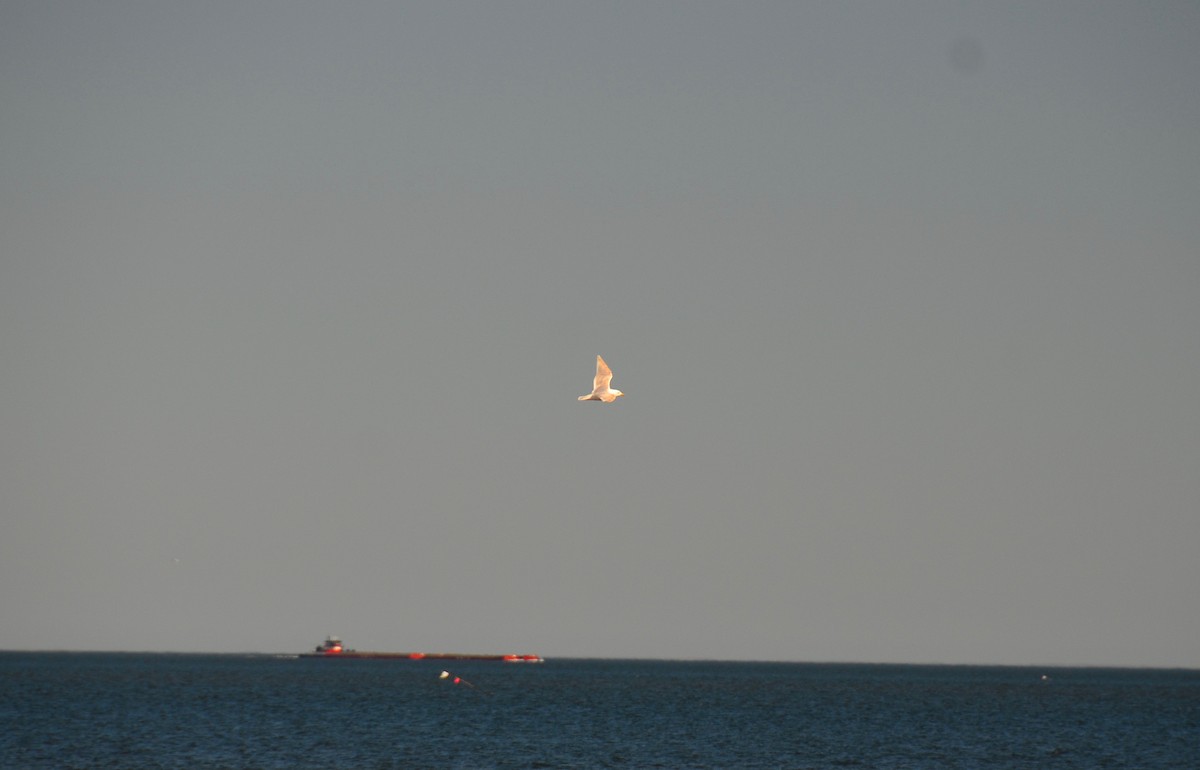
(332, 648)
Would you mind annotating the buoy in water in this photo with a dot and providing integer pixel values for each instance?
(456, 680)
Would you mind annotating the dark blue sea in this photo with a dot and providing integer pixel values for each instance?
(84, 710)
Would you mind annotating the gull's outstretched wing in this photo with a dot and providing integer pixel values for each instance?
(603, 376)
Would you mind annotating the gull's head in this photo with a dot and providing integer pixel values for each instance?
(617, 393)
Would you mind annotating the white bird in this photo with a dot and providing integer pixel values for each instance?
(600, 389)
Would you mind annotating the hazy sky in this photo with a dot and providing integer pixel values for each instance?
(296, 299)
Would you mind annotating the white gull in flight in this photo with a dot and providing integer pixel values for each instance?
(600, 389)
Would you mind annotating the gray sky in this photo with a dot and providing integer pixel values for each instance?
(296, 299)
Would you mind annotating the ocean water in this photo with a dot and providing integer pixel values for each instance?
(84, 710)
